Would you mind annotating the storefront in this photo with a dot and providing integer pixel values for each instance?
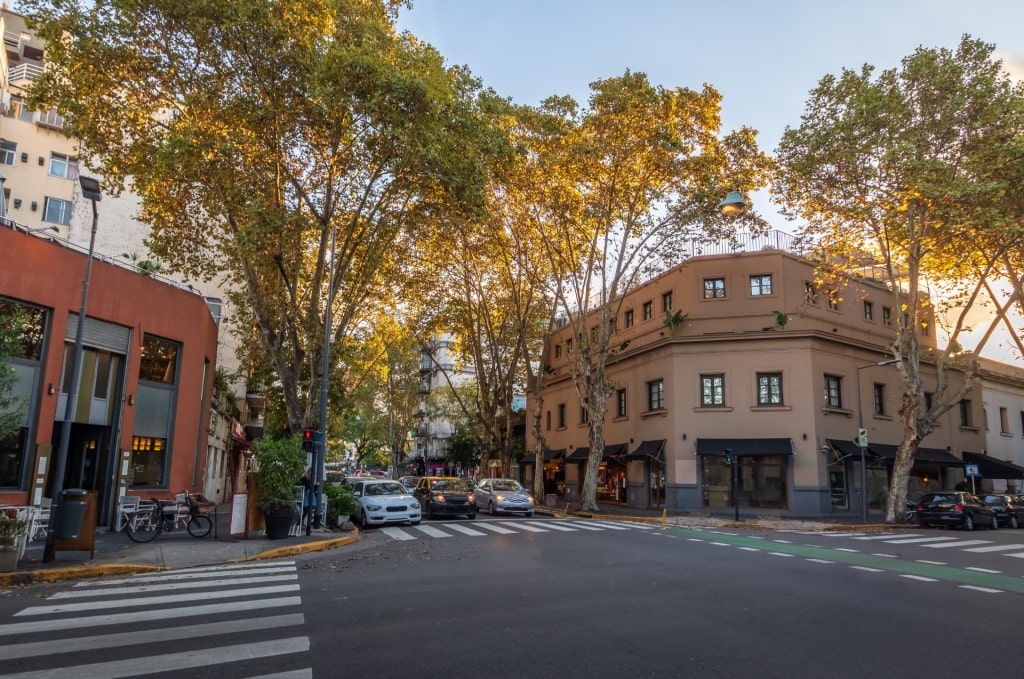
(761, 466)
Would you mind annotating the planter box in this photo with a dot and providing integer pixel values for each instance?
(8, 560)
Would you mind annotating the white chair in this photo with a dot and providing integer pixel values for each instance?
(128, 504)
(40, 522)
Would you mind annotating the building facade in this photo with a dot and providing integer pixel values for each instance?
(149, 351)
(760, 367)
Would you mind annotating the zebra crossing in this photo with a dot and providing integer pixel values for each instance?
(931, 541)
(488, 528)
(230, 617)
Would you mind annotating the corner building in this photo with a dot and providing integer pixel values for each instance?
(763, 366)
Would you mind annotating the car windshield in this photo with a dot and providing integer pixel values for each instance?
(939, 498)
(451, 485)
(507, 485)
(389, 488)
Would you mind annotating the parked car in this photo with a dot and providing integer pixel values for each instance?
(955, 508)
(409, 482)
(503, 495)
(384, 501)
(445, 495)
(1009, 508)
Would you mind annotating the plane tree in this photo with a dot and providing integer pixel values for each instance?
(299, 151)
(916, 170)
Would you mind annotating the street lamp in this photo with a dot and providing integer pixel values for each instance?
(90, 190)
(733, 204)
(320, 448)
(862, 440)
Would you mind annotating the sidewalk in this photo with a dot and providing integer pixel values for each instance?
(116, 554)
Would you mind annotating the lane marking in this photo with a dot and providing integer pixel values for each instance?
(918, 577)
(993, 548)
(171, 586)
(868, 569)
(981, 570)
(465, 530)
(522, 526)
(959, 543)
(193, 573)
(552, 526)
(495, 528)
(912, 541)
(397, 533)
(987, 590)
(432, 531)
(157, 600)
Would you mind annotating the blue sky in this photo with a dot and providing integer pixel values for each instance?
(764, 57)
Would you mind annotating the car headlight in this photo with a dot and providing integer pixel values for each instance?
(375, 508)
(414, 505)
(439, 497)
(529, 498)
(469, 498)
(500, 498)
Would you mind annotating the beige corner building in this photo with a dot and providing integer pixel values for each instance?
(766, 368)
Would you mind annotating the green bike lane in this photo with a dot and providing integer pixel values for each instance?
(912, 569)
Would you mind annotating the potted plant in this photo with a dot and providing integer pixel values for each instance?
(12, 530)
(340, 503)
(280, 463)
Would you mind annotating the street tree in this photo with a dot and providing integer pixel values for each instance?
(298, 151)
(916, 171)
(636, 182)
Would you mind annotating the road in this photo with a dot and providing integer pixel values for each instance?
(517, 597)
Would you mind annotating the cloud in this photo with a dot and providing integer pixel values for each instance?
(1013, 64)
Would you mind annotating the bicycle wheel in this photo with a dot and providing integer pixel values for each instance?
(199, 525)
(143, 526)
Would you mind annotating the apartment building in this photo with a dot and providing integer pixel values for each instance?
(760, 365)
(39, 169)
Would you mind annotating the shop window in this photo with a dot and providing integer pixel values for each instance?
(762, 481)
(148, 461)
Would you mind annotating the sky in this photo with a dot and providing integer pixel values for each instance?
(763, 57)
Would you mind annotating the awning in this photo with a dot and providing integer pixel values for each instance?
(745, 447)
(578, 455)
(938, 456)
(548, 456)
(993, 468)
(654, 450)
(844, 449)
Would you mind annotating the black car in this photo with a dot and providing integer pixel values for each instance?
(447, 495)
(955, 508)
(1009, 508)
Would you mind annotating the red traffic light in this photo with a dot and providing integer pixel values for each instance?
(308, 434)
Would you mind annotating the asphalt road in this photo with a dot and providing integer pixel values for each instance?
(515, 598)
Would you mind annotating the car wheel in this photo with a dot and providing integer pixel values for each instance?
(924, 524)
(427, 511)
(968, 522)
(490, 509)
(529, 514)
(416, 522)
(362, 518)
(471, 516)
(995, 523)
(1013, 521)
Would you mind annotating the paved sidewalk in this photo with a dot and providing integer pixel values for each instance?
(116, 554)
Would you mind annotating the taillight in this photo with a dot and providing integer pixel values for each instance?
(959, 507)
(920, 507)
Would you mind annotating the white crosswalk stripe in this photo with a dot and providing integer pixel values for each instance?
(485, 528)
(171, 633)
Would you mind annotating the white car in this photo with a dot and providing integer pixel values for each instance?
(503, 495)
(384, 501)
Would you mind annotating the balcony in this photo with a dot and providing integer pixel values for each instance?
(24, 73)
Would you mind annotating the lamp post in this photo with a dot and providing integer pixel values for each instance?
(90, 190)
(862, 441)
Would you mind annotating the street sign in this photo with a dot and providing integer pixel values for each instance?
(971, 470)
(862, 437)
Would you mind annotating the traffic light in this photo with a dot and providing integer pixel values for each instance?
(309, 440)
(727, 456)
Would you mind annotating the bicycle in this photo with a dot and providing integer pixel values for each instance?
(159, 516)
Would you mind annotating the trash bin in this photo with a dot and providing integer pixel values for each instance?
(70, 514)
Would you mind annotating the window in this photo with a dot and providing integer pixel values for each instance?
(769, 389)
(761, 285)
(57, 211)
(561, 416)
(63, 166)
(810, 293)
(629, 318)
(648, 310)
(869, 311)
(568, 346)
(833, 391)
(965, 414)
(712, 391)
(613, 325)
(656, 395)
(879, 394)
(620, 403)
(558, 351)
(833, 301)
(584, 415)
(158, 361)
(50, 119)
(924, 329)
(928, 396)
(8, 150)
(886, 316)
(714, 288)
(666, 302)
(548, 421)
(1004, 421)
(148, 455)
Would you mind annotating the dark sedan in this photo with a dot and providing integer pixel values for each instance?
(445, 495)
(1009, 509)
(955, 508)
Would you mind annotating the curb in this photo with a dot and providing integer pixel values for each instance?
(292, 550)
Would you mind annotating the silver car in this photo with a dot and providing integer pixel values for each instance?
(384, 501)
(504, 495)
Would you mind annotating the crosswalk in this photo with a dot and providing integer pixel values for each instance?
(485, 528)
(932, 541)
(232, 617)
